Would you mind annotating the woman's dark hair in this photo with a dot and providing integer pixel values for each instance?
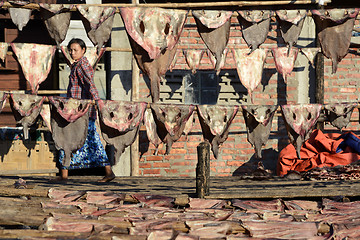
(78, 41)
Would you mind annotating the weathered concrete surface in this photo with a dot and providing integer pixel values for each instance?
(120, 82)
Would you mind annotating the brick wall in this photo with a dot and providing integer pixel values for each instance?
(342, 86)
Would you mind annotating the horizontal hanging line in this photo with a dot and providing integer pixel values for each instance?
(149, 103)
(322, 117)
(114, 49)
(179, 5)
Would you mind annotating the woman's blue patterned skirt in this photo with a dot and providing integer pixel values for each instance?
(91, 154)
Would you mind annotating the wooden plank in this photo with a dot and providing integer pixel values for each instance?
(11, 191)
(220, 187)
(31, 171)
(31, 233)
(203, 169)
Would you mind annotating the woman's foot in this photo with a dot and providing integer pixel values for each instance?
(107, 178)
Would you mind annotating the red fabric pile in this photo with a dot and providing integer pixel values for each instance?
(318, 151)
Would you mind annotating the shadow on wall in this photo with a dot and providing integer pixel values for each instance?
(125, 77)
(266, 76)
(269, 161)
(144, 143)
(9, 135)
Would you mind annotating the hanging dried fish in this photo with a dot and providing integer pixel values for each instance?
(153, 33)
(98, 22)
(250, 67)
(57, 20)
(69, 124)
(339, 114)
(334, 32)
(26, 109)
(255, 25)
(299, 121)
(20, 16)
(215, 121)
(214, 29)
(310, 54)
(154, 29)
(170, 120)
(35, 61)
(214, 62)
(193, 58)
(120, 123)
(290, 23)
(285, 60)
(258, 120)
(3, 50)
(3, 97)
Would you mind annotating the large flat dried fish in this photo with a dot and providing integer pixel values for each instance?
(255, 25)
(334, 32)
(299, 121)
(35, 61)
(98, 22)
(57, 20)
(214, 29)
(250, 67)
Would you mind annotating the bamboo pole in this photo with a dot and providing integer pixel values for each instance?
(184, 5)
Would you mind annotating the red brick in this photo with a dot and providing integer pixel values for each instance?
(242, 145)
(192, 151)
(178, 151)
(161, 151)
(228, 145)
(217, 164)
(347, 62)
(190, 157)
(347, 90)
(184, 175)
(234, 163)
(230, 139)
(154, 158)
(227, 157)
(229, 151)
(161, 164)
(194, 34)
(171, 170)
(223, 170)
(144, 165)
(241, 157)
(172, 157)
(223, 175)
(178, 145)
(182, 163)
(192, 144)
(185, 41)
(194, 138)
(184, 34)
(151, 171)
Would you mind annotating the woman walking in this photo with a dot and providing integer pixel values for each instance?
(81, 86)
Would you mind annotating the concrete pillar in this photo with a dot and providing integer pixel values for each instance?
(120, 82)
(306, 74)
